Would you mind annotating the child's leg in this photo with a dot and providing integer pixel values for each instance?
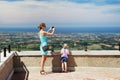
(65, 66)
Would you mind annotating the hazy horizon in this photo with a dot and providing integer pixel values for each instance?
(67, 29)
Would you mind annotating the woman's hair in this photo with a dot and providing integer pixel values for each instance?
(41, 26)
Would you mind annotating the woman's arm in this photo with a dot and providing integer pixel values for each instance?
(48, 33)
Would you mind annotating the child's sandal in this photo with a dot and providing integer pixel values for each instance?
(66, 71)
(63, 70)
(42, 72)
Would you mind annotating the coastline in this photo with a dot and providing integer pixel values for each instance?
(68, 30)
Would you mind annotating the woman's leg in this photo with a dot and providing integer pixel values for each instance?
(43, 62)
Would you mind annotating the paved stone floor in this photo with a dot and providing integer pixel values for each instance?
(82, 73)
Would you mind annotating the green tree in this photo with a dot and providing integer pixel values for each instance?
(95, 47)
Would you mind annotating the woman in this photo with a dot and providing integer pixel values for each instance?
(43, 40)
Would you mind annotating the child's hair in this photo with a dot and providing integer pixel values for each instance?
(65, 46)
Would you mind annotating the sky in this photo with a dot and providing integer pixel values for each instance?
(60, 13)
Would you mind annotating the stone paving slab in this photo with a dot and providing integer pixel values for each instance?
(81, 73)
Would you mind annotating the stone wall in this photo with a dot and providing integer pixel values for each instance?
(6, 67)
(76, 59)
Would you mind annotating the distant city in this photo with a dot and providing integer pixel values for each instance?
(76, 41)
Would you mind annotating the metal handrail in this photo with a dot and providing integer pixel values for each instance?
(4, 51)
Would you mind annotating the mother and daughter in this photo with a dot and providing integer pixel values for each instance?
(44, 48)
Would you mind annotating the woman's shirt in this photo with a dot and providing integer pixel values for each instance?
(43, 39)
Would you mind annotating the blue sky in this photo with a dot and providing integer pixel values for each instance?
(61, 13)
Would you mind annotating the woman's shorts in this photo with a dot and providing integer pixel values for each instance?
(64, 59)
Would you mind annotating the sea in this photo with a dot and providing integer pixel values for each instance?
(68, 29)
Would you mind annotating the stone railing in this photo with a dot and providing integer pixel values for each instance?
(76, 59)
(6, 64)
(22, 61)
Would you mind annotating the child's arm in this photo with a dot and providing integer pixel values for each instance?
(68, 52)
(61, 52)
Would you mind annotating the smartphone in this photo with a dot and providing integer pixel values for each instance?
(53, 27)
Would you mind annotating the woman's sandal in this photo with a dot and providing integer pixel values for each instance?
(42, 72)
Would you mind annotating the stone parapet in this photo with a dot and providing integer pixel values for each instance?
(6, 66)
(99, 58)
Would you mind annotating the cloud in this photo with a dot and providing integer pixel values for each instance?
(96, 2)
(64, 11)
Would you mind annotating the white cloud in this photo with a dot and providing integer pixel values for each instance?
(56, 12)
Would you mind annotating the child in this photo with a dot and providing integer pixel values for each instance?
(64, 57)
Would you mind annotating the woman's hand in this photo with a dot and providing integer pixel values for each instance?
(53, 29)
